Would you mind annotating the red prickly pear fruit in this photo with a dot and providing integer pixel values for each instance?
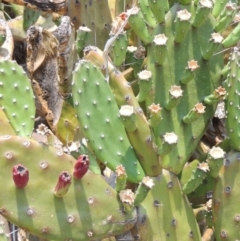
(20, 176)
(81, 166)
(63, 184)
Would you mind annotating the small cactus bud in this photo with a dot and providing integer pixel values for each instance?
(64, 182)
(155, 114)
(182, 25)
(199, 109)
(20, 176)
(128, 117)
(160, 46)
(121, 178)
(218, 94)
(137, 23)
(203, 9)
(83, 34)
(175, 97)
(81, 166)
(214, 44)
(188, 74)
(169, 141)
(143, 189)
(192, 65)
(127, 198)
(215, 160)
(145, 84)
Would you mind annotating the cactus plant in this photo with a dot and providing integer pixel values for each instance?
(14, 85)
(130, 111)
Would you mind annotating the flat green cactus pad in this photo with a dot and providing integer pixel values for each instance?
(98, 116)
(226, 211)
(206, 79)
(166, 212)
(89, 210)
(16, 98)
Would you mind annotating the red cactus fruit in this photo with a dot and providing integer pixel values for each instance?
(63, 184)
(20, 176)
(81, 166)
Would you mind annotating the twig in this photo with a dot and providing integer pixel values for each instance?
(111, 41)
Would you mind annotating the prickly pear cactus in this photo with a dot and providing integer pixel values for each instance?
(130, 109)
(226, 213)
(186, 56)
(78, 215)
(167, 216)
(97, 112)
(16, 98)
(232, 100)
(140, 137)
